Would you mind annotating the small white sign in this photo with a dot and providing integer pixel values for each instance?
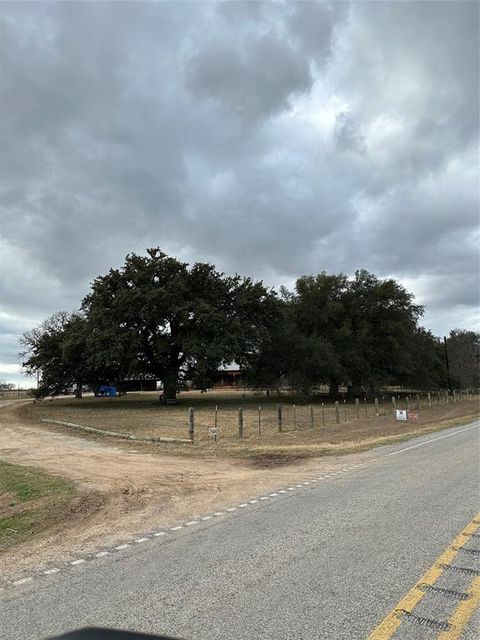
(401, 414)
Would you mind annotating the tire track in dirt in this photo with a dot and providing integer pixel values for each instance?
(123, 491)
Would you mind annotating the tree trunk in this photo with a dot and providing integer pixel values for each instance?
(169, 395)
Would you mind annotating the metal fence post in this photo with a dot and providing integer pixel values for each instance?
(240, 422)
(357, 408)
(337, 412)
(259, 420)
(279, 419)
(323, 414)
(377, 413)
(191, 423)
(312, 424)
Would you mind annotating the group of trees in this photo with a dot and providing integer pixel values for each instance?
(6, 386)
(158, 317)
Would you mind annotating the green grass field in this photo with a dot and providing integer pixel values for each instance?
(30, 500)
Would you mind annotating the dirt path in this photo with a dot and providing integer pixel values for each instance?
(124, 491)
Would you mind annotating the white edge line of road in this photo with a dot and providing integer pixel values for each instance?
(420, 444)
(253, 501)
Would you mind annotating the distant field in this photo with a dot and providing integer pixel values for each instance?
(142, 414)
(30, 501)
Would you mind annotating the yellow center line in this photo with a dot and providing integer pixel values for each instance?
(392, 621)
(462, 614)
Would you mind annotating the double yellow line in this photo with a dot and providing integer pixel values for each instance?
(462, 613)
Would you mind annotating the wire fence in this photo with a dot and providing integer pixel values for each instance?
(252, 418)
(265, 420)
(13, 394)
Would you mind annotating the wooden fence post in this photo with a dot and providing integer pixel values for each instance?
(417, 401)
(394, 405)
(345, 409)
(454, 395)
(191, 423)
(357, 408)
(337, 412)
(377, 413)
(407, 400)
(323, 414)
(216, 417)
(259, 420)
(279, 418)
(240, 422)
(366, 407)
(429, 398)
(312, 423)
(294, 416)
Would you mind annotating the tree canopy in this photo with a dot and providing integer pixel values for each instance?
(362, 332)
(463, 348)
(159, 317)
(56, 350)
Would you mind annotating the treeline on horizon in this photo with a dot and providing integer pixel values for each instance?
(161, 318)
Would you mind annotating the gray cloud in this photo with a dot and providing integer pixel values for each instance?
(252, 80)
(273, 139)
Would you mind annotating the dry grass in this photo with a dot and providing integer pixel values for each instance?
(141, 414)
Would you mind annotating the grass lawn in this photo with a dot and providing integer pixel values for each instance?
(142, 414)
(30, 501)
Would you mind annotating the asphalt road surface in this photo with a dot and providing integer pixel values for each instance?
(329, 559)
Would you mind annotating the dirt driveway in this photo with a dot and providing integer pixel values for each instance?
(124, 490)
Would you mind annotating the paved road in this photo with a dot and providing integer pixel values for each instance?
(328, 559)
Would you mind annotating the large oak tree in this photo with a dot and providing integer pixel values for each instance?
(172, 320)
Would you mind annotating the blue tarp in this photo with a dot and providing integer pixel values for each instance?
(109, 392)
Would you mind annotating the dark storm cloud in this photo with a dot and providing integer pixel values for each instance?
(271, 138)
(241, 79)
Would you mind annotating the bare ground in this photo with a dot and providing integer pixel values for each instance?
(143, 415)
(127, 489)
(124, 491)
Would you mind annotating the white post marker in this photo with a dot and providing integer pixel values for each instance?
(213, 433)
(401, 414)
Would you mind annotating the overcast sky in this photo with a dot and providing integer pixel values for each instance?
(270, 138)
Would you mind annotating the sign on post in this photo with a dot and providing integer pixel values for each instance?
(213, 433)
(401, 414)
